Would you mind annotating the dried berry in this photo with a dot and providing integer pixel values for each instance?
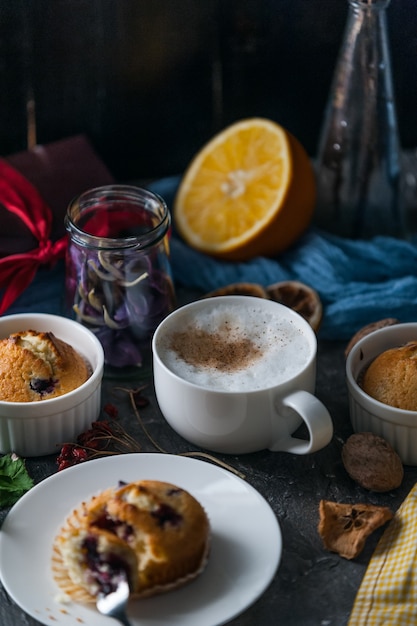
(111, 410)
(139, 400)
(102, 438)
(70, 455)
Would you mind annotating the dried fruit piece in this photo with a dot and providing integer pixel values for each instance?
(239, 289)
(292, 293)
(344, 528)
(372, 462)
(369, 328)
(299, 297)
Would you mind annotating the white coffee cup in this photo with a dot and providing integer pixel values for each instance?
(252, 403)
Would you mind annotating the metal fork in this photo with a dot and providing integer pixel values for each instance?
(114, 604)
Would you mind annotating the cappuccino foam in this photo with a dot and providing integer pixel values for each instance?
(234, 348)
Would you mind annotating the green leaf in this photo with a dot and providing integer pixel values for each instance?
(14, 479)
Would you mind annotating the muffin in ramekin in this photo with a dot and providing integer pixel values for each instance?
(396, 425)
(36, 428)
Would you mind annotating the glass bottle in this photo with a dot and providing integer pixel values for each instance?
(358, 162)
(118, 274)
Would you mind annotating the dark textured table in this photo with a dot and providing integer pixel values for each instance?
(311, 586)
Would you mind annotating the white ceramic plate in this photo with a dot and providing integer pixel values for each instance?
(245, 552)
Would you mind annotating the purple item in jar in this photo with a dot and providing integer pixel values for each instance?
(119, 281)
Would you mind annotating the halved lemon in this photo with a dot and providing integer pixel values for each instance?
(250, 191)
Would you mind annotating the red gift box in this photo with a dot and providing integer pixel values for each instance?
(35, 189)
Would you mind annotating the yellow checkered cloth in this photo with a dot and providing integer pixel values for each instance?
(388, 593)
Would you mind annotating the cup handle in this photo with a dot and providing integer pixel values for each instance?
(315, 416)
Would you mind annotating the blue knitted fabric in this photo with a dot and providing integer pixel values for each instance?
(358, 281)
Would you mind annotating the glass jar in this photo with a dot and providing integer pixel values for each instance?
(119, 281)
(358, 162)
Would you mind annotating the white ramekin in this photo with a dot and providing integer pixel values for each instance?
(40, 428)
(397, 426)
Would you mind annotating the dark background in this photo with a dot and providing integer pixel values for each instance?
(149, 81)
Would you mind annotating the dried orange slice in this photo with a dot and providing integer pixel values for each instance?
(299, 297)
(240, 289)
(250, 191)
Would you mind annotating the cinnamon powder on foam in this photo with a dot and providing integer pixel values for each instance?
(224, 350)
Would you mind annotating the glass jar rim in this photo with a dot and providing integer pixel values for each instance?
(114, 194)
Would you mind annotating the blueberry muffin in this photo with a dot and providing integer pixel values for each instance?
(37, 366)
(153, 532)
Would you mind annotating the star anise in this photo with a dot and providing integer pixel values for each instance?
(354, 519)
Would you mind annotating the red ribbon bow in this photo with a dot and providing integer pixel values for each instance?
(17, 271)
